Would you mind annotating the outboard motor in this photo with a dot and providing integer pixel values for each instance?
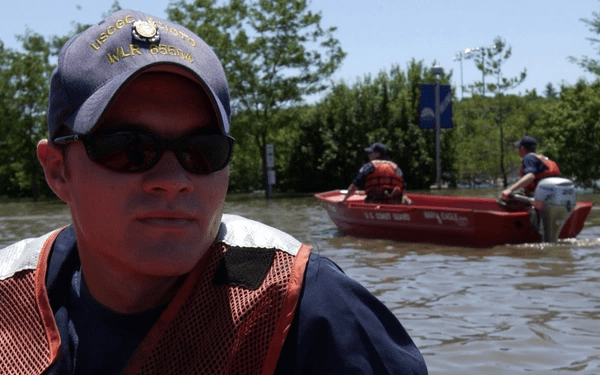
(554, 200)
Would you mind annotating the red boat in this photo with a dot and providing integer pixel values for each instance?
(457, 221)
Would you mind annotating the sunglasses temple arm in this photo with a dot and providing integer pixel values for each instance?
(67, 139)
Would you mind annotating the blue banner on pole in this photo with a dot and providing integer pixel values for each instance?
(427, 110)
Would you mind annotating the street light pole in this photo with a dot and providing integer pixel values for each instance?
(469, 53)
(483, 72)
(459, 56)
(438, 71)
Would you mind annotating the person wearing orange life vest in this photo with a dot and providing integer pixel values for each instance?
(380, 178)
(534, 168)
(152, 277)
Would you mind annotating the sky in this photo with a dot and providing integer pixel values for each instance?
(378, 34)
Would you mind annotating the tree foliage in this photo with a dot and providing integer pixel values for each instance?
(24, 78)
(570, 129)
(275, 54)
(590, 64)
(486, 129)
(490, 121)
(330, 147)
(550, 91)
(24, 88)
(319, 146)
(489, 60)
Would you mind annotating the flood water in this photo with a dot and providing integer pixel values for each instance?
(530, 308)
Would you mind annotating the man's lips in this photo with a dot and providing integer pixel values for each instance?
(166, 218)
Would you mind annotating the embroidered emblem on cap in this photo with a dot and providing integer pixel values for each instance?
(145, 31)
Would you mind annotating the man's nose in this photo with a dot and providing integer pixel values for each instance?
(167, 176)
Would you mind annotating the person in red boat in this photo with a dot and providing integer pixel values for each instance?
(534, 168)
(152, 277)
(380, 178)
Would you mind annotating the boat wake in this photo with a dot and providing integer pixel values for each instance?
(571, 243)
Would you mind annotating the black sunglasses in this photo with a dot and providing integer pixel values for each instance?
(137, 151)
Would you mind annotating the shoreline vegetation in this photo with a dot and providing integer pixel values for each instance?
(318, 144)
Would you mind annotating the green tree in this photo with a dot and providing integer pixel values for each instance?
(496, 116)
(333, 134)
(275, 54)
(570, 129)
(590, 64)
(550, 92)
(24, 78)
(489, 61)
(486, 129)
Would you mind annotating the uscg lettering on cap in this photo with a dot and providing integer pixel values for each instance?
(110, 30)
(143, 31)
(174, 31)
(122, 52)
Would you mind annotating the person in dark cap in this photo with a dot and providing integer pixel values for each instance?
(380, 178)
(152, 277)
(534, 168)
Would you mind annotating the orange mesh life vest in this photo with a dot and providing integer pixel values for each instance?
(29, 338)
(207, 328)
(551, 171)
(384, 182)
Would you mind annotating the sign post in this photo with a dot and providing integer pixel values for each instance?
(440, 116)
(270, 154)
(438, 168)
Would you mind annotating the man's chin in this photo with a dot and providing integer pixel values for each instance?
(169, 256)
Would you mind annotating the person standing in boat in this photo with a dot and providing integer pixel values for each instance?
(534, 168)
(380, 178)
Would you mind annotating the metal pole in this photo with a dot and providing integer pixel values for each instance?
(483, 71)
(269, 191)
(438, 168)
(462, 87)
(270, 170)
(460, 55)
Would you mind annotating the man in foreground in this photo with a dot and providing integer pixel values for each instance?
(380, 178)
(151, 277)
(534, 168)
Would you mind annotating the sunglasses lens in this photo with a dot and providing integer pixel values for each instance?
(131, 151)
(204, 154)
(125, 151)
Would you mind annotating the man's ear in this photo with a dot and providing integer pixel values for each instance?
(52, 159)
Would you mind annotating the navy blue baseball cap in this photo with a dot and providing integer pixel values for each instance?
(526, 142)
(377, 147)
(94, 66)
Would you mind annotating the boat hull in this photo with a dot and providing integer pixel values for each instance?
(457, 221)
